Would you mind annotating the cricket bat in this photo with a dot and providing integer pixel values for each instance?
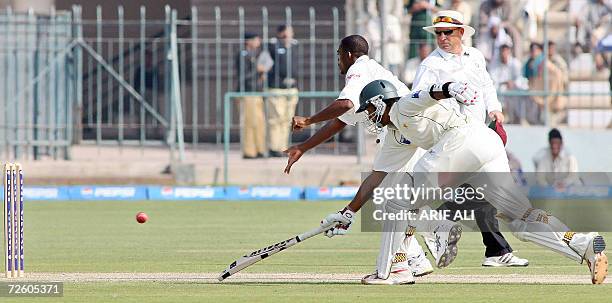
(260, 254)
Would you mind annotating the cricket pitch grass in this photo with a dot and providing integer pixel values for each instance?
(102, 254)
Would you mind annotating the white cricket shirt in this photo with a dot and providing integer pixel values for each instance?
(362, 72)
(441, 67)
(424, 120)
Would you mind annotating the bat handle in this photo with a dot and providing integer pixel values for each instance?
(319, 230)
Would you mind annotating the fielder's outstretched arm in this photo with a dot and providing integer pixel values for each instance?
(322, 135)
(332, 111)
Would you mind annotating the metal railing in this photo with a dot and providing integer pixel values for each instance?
(230, 97)
(113, 83)
(44, 86)
(39, 68)
(68, 80)
(207, 42)
(207, 45)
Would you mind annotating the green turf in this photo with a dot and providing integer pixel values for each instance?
(267, 292)
(207, 236)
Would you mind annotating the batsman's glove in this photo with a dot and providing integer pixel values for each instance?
(461, 91)
(344, 218)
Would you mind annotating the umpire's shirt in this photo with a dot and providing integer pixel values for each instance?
(470, 67)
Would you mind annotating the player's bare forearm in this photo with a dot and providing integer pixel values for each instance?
(329, 130)
(295, 152)
(332, 111)
(366, 189)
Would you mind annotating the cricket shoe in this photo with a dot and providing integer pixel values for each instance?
(597, 259)
(505, 260)
(442, 242)
(398, 277)
(420, 265)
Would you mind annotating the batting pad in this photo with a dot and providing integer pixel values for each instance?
(397, 243)
(544, 230)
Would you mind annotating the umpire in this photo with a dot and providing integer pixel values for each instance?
(452, 61)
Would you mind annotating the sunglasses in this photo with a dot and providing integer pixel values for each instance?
(447, 20)
(446, 32)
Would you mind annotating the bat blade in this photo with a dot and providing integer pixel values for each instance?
(260, 254)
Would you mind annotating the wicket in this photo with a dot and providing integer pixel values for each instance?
(13, 220)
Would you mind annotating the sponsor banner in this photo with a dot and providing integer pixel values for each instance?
(108, 193)
(330, 193)
(595, 192)
(45, 193)
(186, 193)
(580, 192)
(264, 193)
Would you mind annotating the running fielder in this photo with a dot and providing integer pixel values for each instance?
(353, 62)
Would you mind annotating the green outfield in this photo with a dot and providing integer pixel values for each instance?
(98, 239)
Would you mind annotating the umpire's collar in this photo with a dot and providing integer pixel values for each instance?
(447, 56)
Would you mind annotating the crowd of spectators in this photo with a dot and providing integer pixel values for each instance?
(510, 35)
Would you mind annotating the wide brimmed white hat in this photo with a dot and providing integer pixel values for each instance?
(450, 19)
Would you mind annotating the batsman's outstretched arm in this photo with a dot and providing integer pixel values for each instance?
(332, 111)
(364, 193)
(296, 151)
(346, 216)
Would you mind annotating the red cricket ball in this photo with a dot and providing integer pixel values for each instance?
(141, 217)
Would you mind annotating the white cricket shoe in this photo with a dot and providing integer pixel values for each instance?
(442, 242)
(596, 259)
(506, 260)
(420, 265)
(395, 278)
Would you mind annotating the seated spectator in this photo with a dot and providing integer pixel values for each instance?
(507, 12)
(595, 22)
(558, 61)
(533, 11)
(421, 11)
(466, 10)
(412, 65)
(576, 10)
(490, 41)
(506, 73)
(393, 36)
(534, 72)
(558, 74)
(530, 70)
(582, 64)
(595, 25)
(555, 166)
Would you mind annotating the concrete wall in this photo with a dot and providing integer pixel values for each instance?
(592, 148)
